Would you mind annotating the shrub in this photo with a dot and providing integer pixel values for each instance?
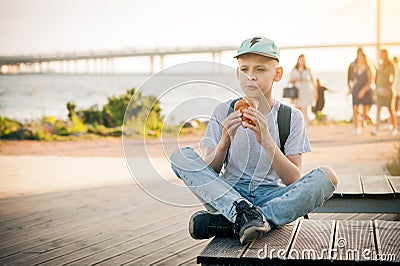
(114, 110)
(8, 127)
(393, 167)
(91, 116)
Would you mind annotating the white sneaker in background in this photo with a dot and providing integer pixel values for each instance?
(394, 132)
(356, 132)
(374, 132)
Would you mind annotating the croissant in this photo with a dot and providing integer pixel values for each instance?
(245, 103)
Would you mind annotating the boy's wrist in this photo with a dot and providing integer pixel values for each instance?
(222, 146)
(268, 143)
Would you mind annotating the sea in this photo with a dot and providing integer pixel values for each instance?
(28, 97)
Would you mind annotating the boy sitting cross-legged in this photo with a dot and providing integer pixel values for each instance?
(261, 186)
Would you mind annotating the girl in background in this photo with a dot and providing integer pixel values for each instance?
(302, 78)
(385, 95)
(360, 88)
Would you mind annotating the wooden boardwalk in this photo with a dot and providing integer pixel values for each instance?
(315, 242)
(108, 226)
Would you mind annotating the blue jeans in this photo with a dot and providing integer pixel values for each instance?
(280, 205)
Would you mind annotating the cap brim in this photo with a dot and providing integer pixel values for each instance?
(262, 54)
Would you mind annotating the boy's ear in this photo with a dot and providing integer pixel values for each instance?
(237, 72)
(278, 73)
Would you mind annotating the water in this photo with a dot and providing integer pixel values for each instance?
(26, 97)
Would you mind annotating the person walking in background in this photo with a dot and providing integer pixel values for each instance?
(385, 95)
(397, 87)
(360, 89)
(352, 65)
(302, 78)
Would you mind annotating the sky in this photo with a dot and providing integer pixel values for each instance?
(51, 26)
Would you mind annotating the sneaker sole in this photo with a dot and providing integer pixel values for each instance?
(191, 224)
(205, 216)
(252, 233)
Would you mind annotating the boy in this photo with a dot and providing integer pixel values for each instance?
(260, 188)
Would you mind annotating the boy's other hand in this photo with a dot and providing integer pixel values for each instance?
(259, 125)
(229, 128)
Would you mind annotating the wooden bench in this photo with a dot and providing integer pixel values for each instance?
(365, 194)
(316, 241)
(340, 242)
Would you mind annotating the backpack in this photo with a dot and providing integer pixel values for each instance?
(284, 117)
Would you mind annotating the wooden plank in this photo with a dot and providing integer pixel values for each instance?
(354, 240)
(313, 240)
(147, 250)
(385, 203)
(101, 237)
(222, 250)
(107, 246)
(65, 215)
(168, 252)
(274, 245)
(183, 256)
(395, 183)
(38, 236)
(388, 240)
(190, 262)
(116, 247)
(375, 185)
(32, 207)
(349, 185)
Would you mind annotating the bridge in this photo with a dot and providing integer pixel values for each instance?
(102, 61)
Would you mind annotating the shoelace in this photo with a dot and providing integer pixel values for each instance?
(245, 214)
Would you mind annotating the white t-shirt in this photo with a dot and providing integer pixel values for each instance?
(247, 159)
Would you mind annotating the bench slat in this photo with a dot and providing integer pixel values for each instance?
(352, 239)
(388, 240)
(345, 240)
(349, 185)
(222, 249)
(274, 244)
(313, 240)
(376, 184)
(395, 182)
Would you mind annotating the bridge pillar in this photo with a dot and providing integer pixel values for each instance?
(217, 56)
(110, 65)
(161, 62)
(18, 68)
(40, 67)
(87, 66)
(152, 64)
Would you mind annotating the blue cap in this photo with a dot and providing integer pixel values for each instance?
(259, 45)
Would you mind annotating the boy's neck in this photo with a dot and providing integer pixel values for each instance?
(266, 104)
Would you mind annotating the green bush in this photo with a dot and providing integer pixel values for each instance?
(114, 110)
(393, 167)
(8, 127)
(92, 116)
(143, 118)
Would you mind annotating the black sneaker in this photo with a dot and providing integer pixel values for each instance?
(203, 225)
(249, 222)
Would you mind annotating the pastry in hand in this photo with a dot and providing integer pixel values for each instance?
(245, 103)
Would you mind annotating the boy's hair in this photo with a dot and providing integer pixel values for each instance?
(259, 45)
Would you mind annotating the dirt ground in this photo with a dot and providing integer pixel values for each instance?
(34, 167)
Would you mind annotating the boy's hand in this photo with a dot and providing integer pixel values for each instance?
(259, 126)
(229, 127)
